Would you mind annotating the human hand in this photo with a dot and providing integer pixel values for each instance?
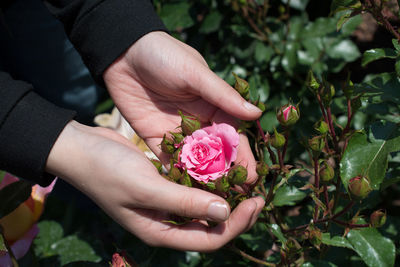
(125, 184)
(159, 75)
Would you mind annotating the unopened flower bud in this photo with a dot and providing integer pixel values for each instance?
(167, 145)
(312, 82)
(315, 237)
(185, 179)
(378, 218)
(222, 184)
(359, 187)
(174, 173)
(327, 93)
(348, 90)
(288, 115)
(189, 124)
(237, 175)
(317, 143)
(322, 127)
(157, 164)
(277, 140)
(262, 168)
(177, 155)
(326, 173)
(178, 137)
(242, 87)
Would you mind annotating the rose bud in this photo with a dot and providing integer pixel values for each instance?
(322, 127)
(222, 184)
(317, 143)
(348, 90)
(315, 237)
(288, 115)
(327, 93)
(277, 140)
(237, 175)
(326, 173)
(174, 173)
(242, 87)
(185, 179)
(178, 137)
(177, 155)
(157, 164)
(189, 124)
(359, 187)
(167, 145)
(378, 218)
(262, 168)
(312, 82)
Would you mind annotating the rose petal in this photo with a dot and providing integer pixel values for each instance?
(22, 245)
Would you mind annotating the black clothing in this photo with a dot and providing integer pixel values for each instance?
(101, 30)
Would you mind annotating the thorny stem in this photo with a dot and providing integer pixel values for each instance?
(316, 183)
(261, 132)
(280, 158)
(287, 133)
(271, 189)
(332, 129)
(351, 225)
(249, 257)
(349, 118)
(326, 195)
(333, 217)
(377, 13)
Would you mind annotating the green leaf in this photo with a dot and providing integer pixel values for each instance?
(276, 230)
(71, 248)
(345, 50)
(176, 15)
(14, 195)
(262, 53)
(342, 20)
(396, 45)
(288, 195)
(318, 263)
(384, 85)
(211, 23)
(297, 4)
(50, 242)
(377, 53)
(367, 153)
(339, 5)
(388, 182)
(289, 59)
(336, 241)
(49, 232)
(397, 66)
(372, 247)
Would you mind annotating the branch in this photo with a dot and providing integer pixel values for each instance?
(249, 257)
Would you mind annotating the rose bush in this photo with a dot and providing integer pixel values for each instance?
(208, 153)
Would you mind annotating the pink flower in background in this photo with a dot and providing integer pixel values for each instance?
(20, 225)
(208, 153)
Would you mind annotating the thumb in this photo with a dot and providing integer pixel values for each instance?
(216, 91)
(185, 201)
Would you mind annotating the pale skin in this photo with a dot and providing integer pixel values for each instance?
(154, 78)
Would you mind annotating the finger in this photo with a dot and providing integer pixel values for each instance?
(246, 158)
(160, 194)
(205, 83)
(198, 237)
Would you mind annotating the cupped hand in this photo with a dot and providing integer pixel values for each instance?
(124, 183)
(159, 75)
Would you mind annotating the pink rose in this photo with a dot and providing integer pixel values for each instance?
(208, 153)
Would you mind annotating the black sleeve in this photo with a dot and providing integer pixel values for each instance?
(29, 126)
(101, 30)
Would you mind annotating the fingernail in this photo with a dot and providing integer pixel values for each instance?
(251, 107)
(218, 211)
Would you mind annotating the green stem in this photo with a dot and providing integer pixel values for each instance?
(316, 184)
(249, 257)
